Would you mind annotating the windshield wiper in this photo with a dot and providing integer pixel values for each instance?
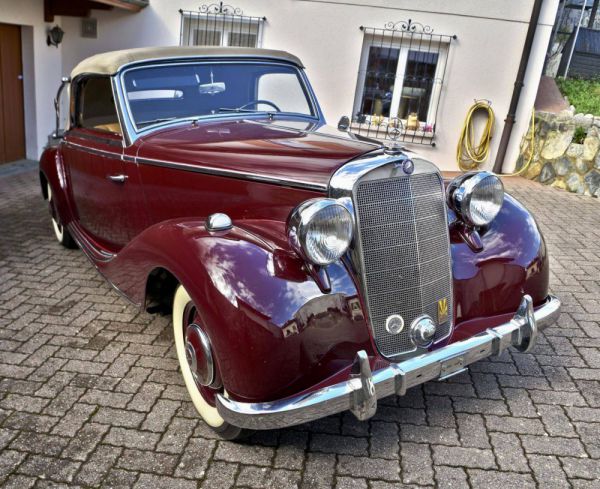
(230, 109)
(156, 121)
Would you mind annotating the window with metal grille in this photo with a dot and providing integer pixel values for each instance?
(241, 39)
(218, 24)
(400, 79)
(204, 37)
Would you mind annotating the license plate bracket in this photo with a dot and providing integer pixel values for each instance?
(452, 366)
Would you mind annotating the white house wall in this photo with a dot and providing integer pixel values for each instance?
(42, 68)
(483, 62)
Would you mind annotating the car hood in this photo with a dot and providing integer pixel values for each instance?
(298, 152)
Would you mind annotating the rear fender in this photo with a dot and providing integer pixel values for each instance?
(274, 332)
(52, 171)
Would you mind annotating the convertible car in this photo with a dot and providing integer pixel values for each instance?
(309, 270)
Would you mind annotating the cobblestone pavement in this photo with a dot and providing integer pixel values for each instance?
(90, 394)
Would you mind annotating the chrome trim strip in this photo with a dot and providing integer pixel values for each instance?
(93, 253)
(94, 151)
(97, 138)
(129, 134)
(354, 394)
(343, 180)
(126, 141)
(223, 172)
(207, 170)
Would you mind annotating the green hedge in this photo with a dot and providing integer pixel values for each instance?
(583, 94)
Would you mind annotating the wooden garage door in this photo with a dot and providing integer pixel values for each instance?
(12, 124)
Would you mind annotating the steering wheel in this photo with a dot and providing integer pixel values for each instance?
(259, 101)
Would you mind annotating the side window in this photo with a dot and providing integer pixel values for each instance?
(96, 105)
(284, 91)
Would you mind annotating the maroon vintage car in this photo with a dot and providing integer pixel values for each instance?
(309, 271)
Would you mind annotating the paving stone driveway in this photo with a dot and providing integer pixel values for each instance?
(90, 394)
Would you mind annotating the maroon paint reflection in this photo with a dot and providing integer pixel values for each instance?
(275, 333)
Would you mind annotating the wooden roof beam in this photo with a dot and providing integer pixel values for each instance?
(131, 5)
(82, 8)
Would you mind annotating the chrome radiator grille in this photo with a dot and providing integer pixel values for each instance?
(405, 255)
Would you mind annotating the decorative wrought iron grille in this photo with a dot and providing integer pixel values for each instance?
(400, 80)
(219, 24)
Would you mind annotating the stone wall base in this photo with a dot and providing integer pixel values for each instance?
(559, 159)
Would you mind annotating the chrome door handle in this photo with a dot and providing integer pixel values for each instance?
(117, 178)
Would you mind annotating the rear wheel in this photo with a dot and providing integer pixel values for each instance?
(198, 365)
(62, 235)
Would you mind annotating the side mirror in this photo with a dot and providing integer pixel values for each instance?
(344, 123)
(56, 137)
(58, 132)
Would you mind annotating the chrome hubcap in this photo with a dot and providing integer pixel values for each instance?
(190, 356)
(198, 355)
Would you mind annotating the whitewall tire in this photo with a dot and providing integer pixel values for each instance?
(62, 235)
(181, 306)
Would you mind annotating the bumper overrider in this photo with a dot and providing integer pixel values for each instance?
(359, 394)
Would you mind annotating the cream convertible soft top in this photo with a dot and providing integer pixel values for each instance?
(109, 63)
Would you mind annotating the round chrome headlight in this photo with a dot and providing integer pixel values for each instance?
(320, 230)
(477, 197)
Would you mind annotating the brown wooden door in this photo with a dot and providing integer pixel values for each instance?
(12, 121)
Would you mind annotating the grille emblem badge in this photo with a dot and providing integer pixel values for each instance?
(394, 324)
(442, 310)
(407, 166)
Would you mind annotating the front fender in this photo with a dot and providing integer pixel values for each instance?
(492, 282)
(273, 331)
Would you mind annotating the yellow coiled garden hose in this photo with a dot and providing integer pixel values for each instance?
(469, 155)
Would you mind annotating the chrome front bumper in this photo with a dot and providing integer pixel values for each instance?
(359, 394)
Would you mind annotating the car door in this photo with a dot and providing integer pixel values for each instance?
(93, 153)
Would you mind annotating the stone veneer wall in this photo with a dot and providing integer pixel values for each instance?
(560, 162)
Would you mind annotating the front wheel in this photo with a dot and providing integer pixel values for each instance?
(198, 365)
(62, 235)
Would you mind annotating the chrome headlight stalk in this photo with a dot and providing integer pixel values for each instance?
(320, 230)
(476, 197)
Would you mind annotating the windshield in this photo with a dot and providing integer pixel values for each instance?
(168, 92)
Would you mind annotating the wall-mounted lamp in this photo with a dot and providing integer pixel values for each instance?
(55, 36)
